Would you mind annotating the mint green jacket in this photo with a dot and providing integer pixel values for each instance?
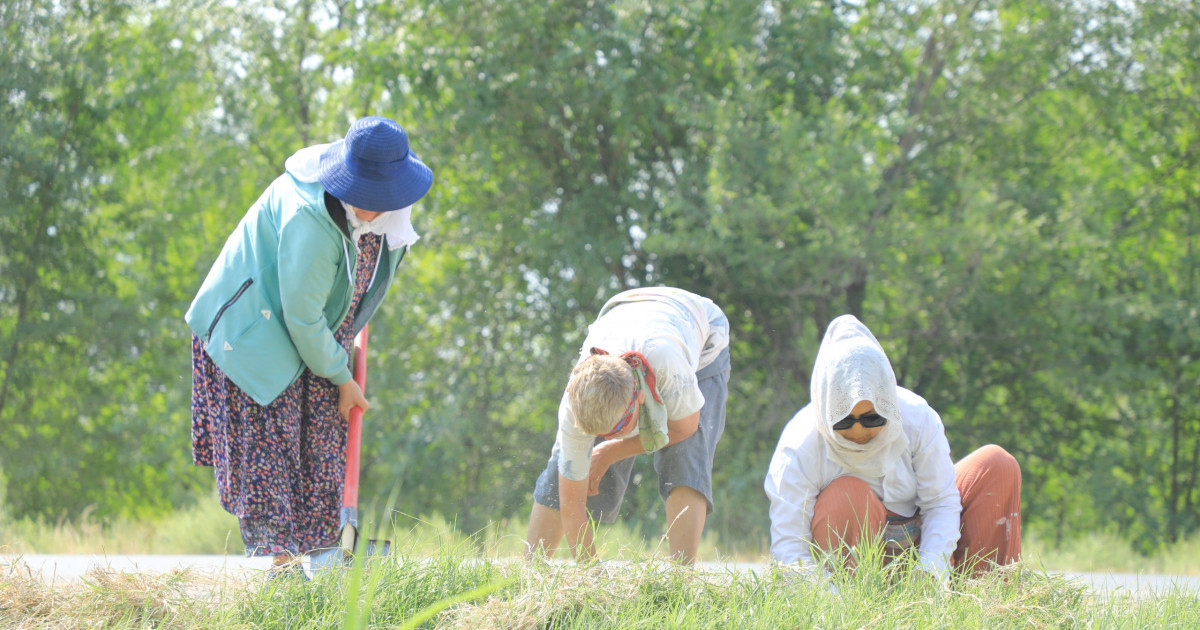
(280, 288)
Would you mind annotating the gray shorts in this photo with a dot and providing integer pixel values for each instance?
(688, 463)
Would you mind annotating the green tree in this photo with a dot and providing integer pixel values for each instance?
(1003, 190)
(103, 111)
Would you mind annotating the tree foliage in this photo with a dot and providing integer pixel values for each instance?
(1005, 191)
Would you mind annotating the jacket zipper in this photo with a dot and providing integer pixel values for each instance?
(375, 271)
(221, 311)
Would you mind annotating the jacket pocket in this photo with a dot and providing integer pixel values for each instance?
(251, 345)
(224, 307)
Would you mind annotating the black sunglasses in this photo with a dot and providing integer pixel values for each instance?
(868, 420)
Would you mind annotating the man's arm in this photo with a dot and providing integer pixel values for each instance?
(572, 504)
(572, 495)
(683, 428)
(609, 452)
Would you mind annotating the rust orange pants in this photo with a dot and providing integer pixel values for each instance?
(989, 483)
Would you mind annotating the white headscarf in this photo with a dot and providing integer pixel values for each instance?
(396, 225)
(852, 366)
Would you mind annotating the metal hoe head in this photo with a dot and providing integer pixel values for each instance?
(350, 546)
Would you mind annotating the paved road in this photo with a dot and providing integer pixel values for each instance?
(73, 568)
(1138, 585)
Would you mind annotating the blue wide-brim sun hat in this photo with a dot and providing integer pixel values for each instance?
(373, 169)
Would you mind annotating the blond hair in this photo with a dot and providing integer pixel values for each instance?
(599, 392)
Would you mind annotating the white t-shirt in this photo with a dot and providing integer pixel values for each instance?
(665, 331)
(922, 477)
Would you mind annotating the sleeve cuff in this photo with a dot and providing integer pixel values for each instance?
(936, 564)
(342, 377)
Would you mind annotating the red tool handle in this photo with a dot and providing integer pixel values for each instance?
(354, 434)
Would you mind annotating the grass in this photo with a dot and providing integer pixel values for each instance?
(439, 577)
(205, 528)
(456, 589)
(1107, 553)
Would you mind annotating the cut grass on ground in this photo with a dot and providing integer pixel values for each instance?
(452, 590)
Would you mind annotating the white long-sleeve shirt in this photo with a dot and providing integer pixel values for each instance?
(922, 477)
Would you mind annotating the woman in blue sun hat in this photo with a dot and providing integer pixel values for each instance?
(273, 325)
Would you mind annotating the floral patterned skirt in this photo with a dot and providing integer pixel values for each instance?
(280, 468)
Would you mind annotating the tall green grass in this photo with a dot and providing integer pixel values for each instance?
(202, 528)
(1105, 552)
(205, 528)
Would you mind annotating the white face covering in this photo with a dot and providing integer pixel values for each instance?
(395, 225)
(852, 366)
(358, 227)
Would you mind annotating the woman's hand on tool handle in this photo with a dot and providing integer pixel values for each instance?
(350, 395)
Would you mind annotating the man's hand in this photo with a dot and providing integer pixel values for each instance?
(607, 453)
(599, 466)
(350, 395)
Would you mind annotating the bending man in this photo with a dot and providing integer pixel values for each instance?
(652, 377)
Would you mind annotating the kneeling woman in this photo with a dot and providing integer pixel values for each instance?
(868, 459)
